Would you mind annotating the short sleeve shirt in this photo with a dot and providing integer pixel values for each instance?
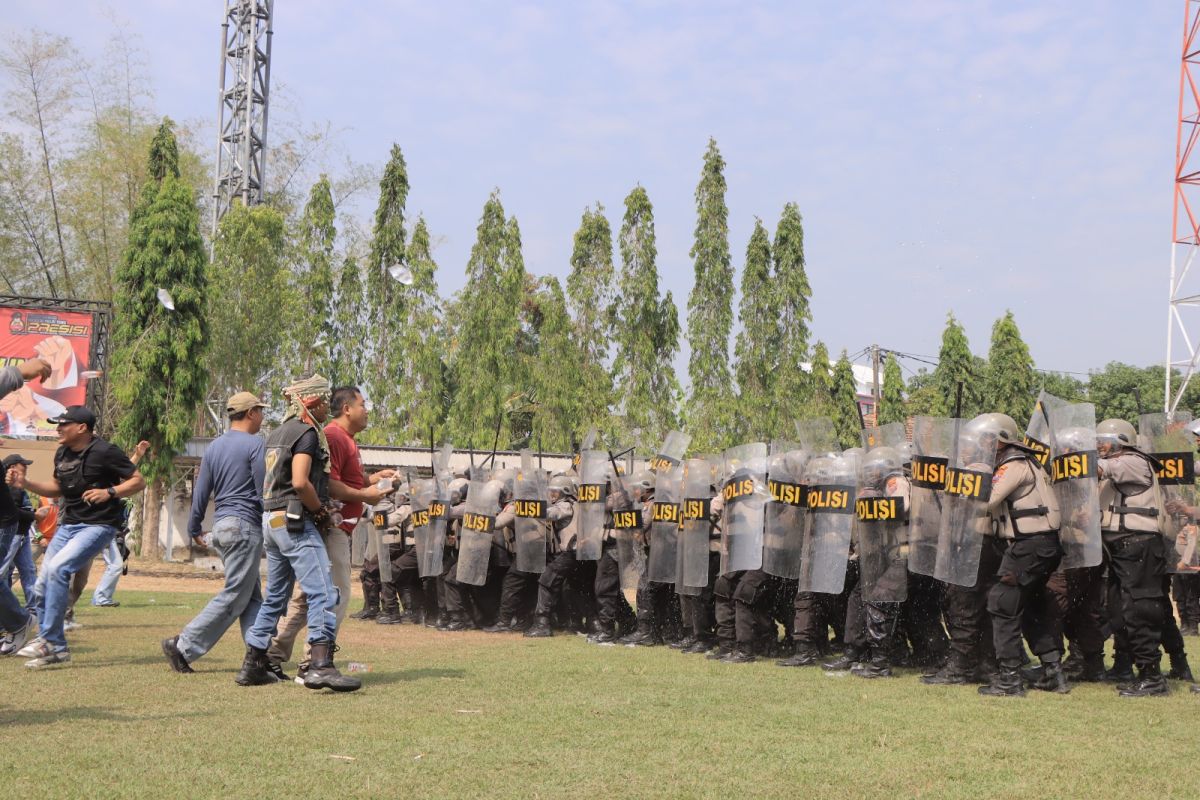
(104, 465)
(345, 465)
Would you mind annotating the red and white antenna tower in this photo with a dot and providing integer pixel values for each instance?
(1183, 348)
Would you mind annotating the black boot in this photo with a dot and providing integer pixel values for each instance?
(682, 644)
(390, 615)
(952, 673)
(1150, 683)
(1089, 669)
(409, 614)
(849, 657)
(743, 653)
(540, 628)
(370, 609)
(254, 670)
(642, 637)
(459, 621)
(499, 626)
(1052, 679)
(322, 674)
(803, 657)
(877, 666)
(701, 645)
(722, 650)
(1122, 669)
(1006, 683)
(1180, 671)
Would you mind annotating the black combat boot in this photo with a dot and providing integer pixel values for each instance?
(322, 674)
(459, 621)
(540, 628)
(370, 609)
(952, 673)
(1088, 669)
(1122, 669)
(390, 614)
(803, 657)
(1150, 683)
(254, 671)
(1006, 683)
(499, 626)
(409, 614)
(877, 666)
(642, 637)
(722, 649)
(849, 657)
(702, 645)
(1052, 679)
(743, 653)
(1180, 671)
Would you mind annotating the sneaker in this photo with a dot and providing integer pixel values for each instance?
(170, 648)
(34, 648)
(16, 641)
(71, 625)
(301, 674)
(6, 645)
(109, 604)
(51, 659)
(277, 671)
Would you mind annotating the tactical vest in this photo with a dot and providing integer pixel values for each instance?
(278, 489)
(1033, 510)
(1140, 512)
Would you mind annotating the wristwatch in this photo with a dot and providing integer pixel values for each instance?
(112, 493)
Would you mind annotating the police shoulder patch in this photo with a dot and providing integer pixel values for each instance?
(892, 483)
(999, 473)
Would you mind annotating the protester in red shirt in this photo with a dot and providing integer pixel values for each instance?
(347, 485)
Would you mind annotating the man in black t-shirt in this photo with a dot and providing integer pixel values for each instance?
(91, 476)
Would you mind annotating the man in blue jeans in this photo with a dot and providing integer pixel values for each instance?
(92, 476)
(295, 499)
(232, 472)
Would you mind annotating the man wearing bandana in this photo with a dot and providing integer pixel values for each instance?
(296, 514)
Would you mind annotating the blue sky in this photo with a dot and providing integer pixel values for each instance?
(965, 156)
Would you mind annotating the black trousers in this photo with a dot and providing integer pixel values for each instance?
(611, 605)
(481, 602)
(1078, 596)
(967, 620)
(743, 607)
(404, 577)
(921, 617)
(518, 594)
(698, 610)
(1136, 566)
(568, 586)
(1185, 590)
(1019, 603)
(372, 586)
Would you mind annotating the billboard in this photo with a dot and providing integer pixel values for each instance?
(64, 339)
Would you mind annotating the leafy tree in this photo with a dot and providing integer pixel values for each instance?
(757, 342)
(792, 389)
(487, 363)
(710, 311)
(1011, 383)
(249, 295)
(590, 288)
(647, 330)
(1062, 385)
(349, 327)
(555, 377)
(158, 365)
(923, 397)
(422, 340)
(820, 402)
(846, 419)
(315, 277)
(956, 365)
(384, 293)
(891, 396)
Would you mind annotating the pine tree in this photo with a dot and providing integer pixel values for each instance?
(846, 419)
(792, 389)
(956, 365)
(646, 330)
(385, 295)
(891, 399)
(421, 340)
(555, 379)
(820, 380)
(489, 322)
(1011, 384)
(314, 276)
(710, 312)
(158, 355)
(590, 292)
(757, 345)
(349, 326)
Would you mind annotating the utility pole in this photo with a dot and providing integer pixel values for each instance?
(877, 391)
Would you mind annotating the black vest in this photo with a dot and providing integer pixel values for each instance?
(278, 489)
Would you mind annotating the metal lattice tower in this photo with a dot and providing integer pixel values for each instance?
(242, 105)
(1183, 348)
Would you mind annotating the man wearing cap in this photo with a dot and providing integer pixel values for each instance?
(92, 476)
(232, 472)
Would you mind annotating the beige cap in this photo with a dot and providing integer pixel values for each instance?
(243, 401)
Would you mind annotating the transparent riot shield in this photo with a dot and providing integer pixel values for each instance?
(663, 563)
(670, 454)
(817, 436)
(933, 441)
(531, 498)
(589, 509)
(1167, 440)
(375, 534)
(745, 495)
(429, 526)
(882, 516)
(696, 520)
(890, 435)
(825, 548)
(964, 515)
(1076, 483)
(1037, 433)
(475, 533)
(783, 530)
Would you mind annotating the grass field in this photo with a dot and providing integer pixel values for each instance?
(476, 715)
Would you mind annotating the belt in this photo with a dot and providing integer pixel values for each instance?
(391, 538)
